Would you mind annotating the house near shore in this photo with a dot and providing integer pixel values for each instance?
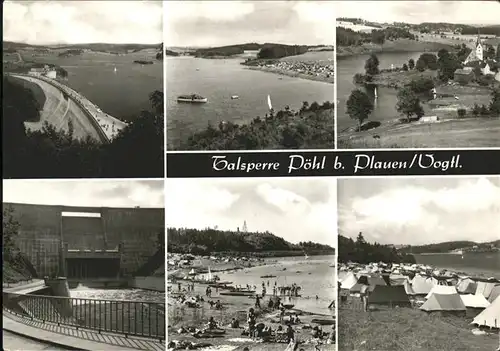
(51, 74)
(463, 75)
(36, 71)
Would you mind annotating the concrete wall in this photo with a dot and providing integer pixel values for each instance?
(135, 230)
(148, 283)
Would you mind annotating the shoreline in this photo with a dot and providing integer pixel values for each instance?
(292, 74)
(399, 46)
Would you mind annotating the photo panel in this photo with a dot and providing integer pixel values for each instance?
(418, 74)
(83, 89)
(250, 75)
(84, 263)
(251, 263)
(419, 257)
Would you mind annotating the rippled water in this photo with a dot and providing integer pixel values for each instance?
(218, 80)
(122, 94)
(118, 294)
(347, 67)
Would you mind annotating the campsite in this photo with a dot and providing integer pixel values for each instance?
(416, 307)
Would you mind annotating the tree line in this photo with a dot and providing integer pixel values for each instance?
(136, 152)
(311, 127)
(349, 37)
(208, 241)
(361, 251)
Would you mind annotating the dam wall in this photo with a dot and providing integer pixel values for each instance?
(48, 238)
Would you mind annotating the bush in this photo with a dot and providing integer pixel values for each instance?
(405, 67)
(484, 111)
(461, 112)
(476, 110)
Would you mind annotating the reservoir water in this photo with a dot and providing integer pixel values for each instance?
(384, 106)
(485, 264)
(84, 292)
(122, 94)
(218, 80)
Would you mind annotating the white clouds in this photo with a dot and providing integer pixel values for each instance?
(85, 193)
(467, 12)
(73, 22)
(468, 210)
(265, 204)
(223, 11)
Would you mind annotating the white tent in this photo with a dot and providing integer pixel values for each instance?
(490, 317)
(474, 301)
(421, 285)
(484, 288)
(349, 281)
(442, 290)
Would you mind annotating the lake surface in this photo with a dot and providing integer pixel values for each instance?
(118, 294)
(384, 107)
(218, 80)
(481, 263)
(122, 94)
(313, 275)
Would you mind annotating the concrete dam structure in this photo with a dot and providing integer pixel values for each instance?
(88, 242)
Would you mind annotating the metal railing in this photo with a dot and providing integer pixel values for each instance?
(138, 318)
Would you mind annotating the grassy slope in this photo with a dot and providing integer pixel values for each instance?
(478, 132)
(407, 329)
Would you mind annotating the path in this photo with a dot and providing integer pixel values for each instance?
(81, 338)
(16, 342)
(25, 288)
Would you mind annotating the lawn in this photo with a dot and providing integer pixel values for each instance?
(407, 329)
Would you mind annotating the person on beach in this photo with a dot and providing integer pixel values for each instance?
(270, 305)
(290, 334)
(235, 323)
(251, 322)
(211, 323)
(282, 314)
(218, 305)
(274, 290)
(179, 286)
(257, 301)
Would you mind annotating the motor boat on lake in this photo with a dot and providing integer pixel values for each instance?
(234, 97)
(192, 98)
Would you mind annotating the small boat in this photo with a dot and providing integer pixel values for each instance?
(237, 293)
(323, 321)
(268, 276)
(193, 98)
(234, 97)
(288, 306)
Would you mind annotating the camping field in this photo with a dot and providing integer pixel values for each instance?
(408, 329)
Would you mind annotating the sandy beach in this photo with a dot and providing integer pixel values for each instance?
(293, 74)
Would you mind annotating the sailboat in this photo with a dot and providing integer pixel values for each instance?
(115, 69)
(269, 102)
(305, 256)
(375, 93)
(209, 275)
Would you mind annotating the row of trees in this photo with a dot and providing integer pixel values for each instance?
(361, 251)
(312, 127)
(207, 241)
(349, 37)
(136, 152)
(276, 51)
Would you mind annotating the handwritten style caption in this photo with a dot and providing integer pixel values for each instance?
(363, 163)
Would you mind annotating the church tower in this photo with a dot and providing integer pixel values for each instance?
(479, 48)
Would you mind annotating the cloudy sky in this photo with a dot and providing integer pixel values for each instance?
(99, 193)
(217, 23)
(76, 22)
(420, 210)
(464, 12)
(298, 209)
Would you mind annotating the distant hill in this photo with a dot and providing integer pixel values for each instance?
(105, 47)
(448, 246)
(267, 50)
(207, 241)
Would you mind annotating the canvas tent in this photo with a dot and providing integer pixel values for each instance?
(397, 279)
(449, 302)
(490, 317)
(494, 293)
(371, 280)
(408, 288)
(474, 301)
(421, 285)
(389, 295)
(467, 286)
(442, 290)
(485, 288)
(349, 281)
